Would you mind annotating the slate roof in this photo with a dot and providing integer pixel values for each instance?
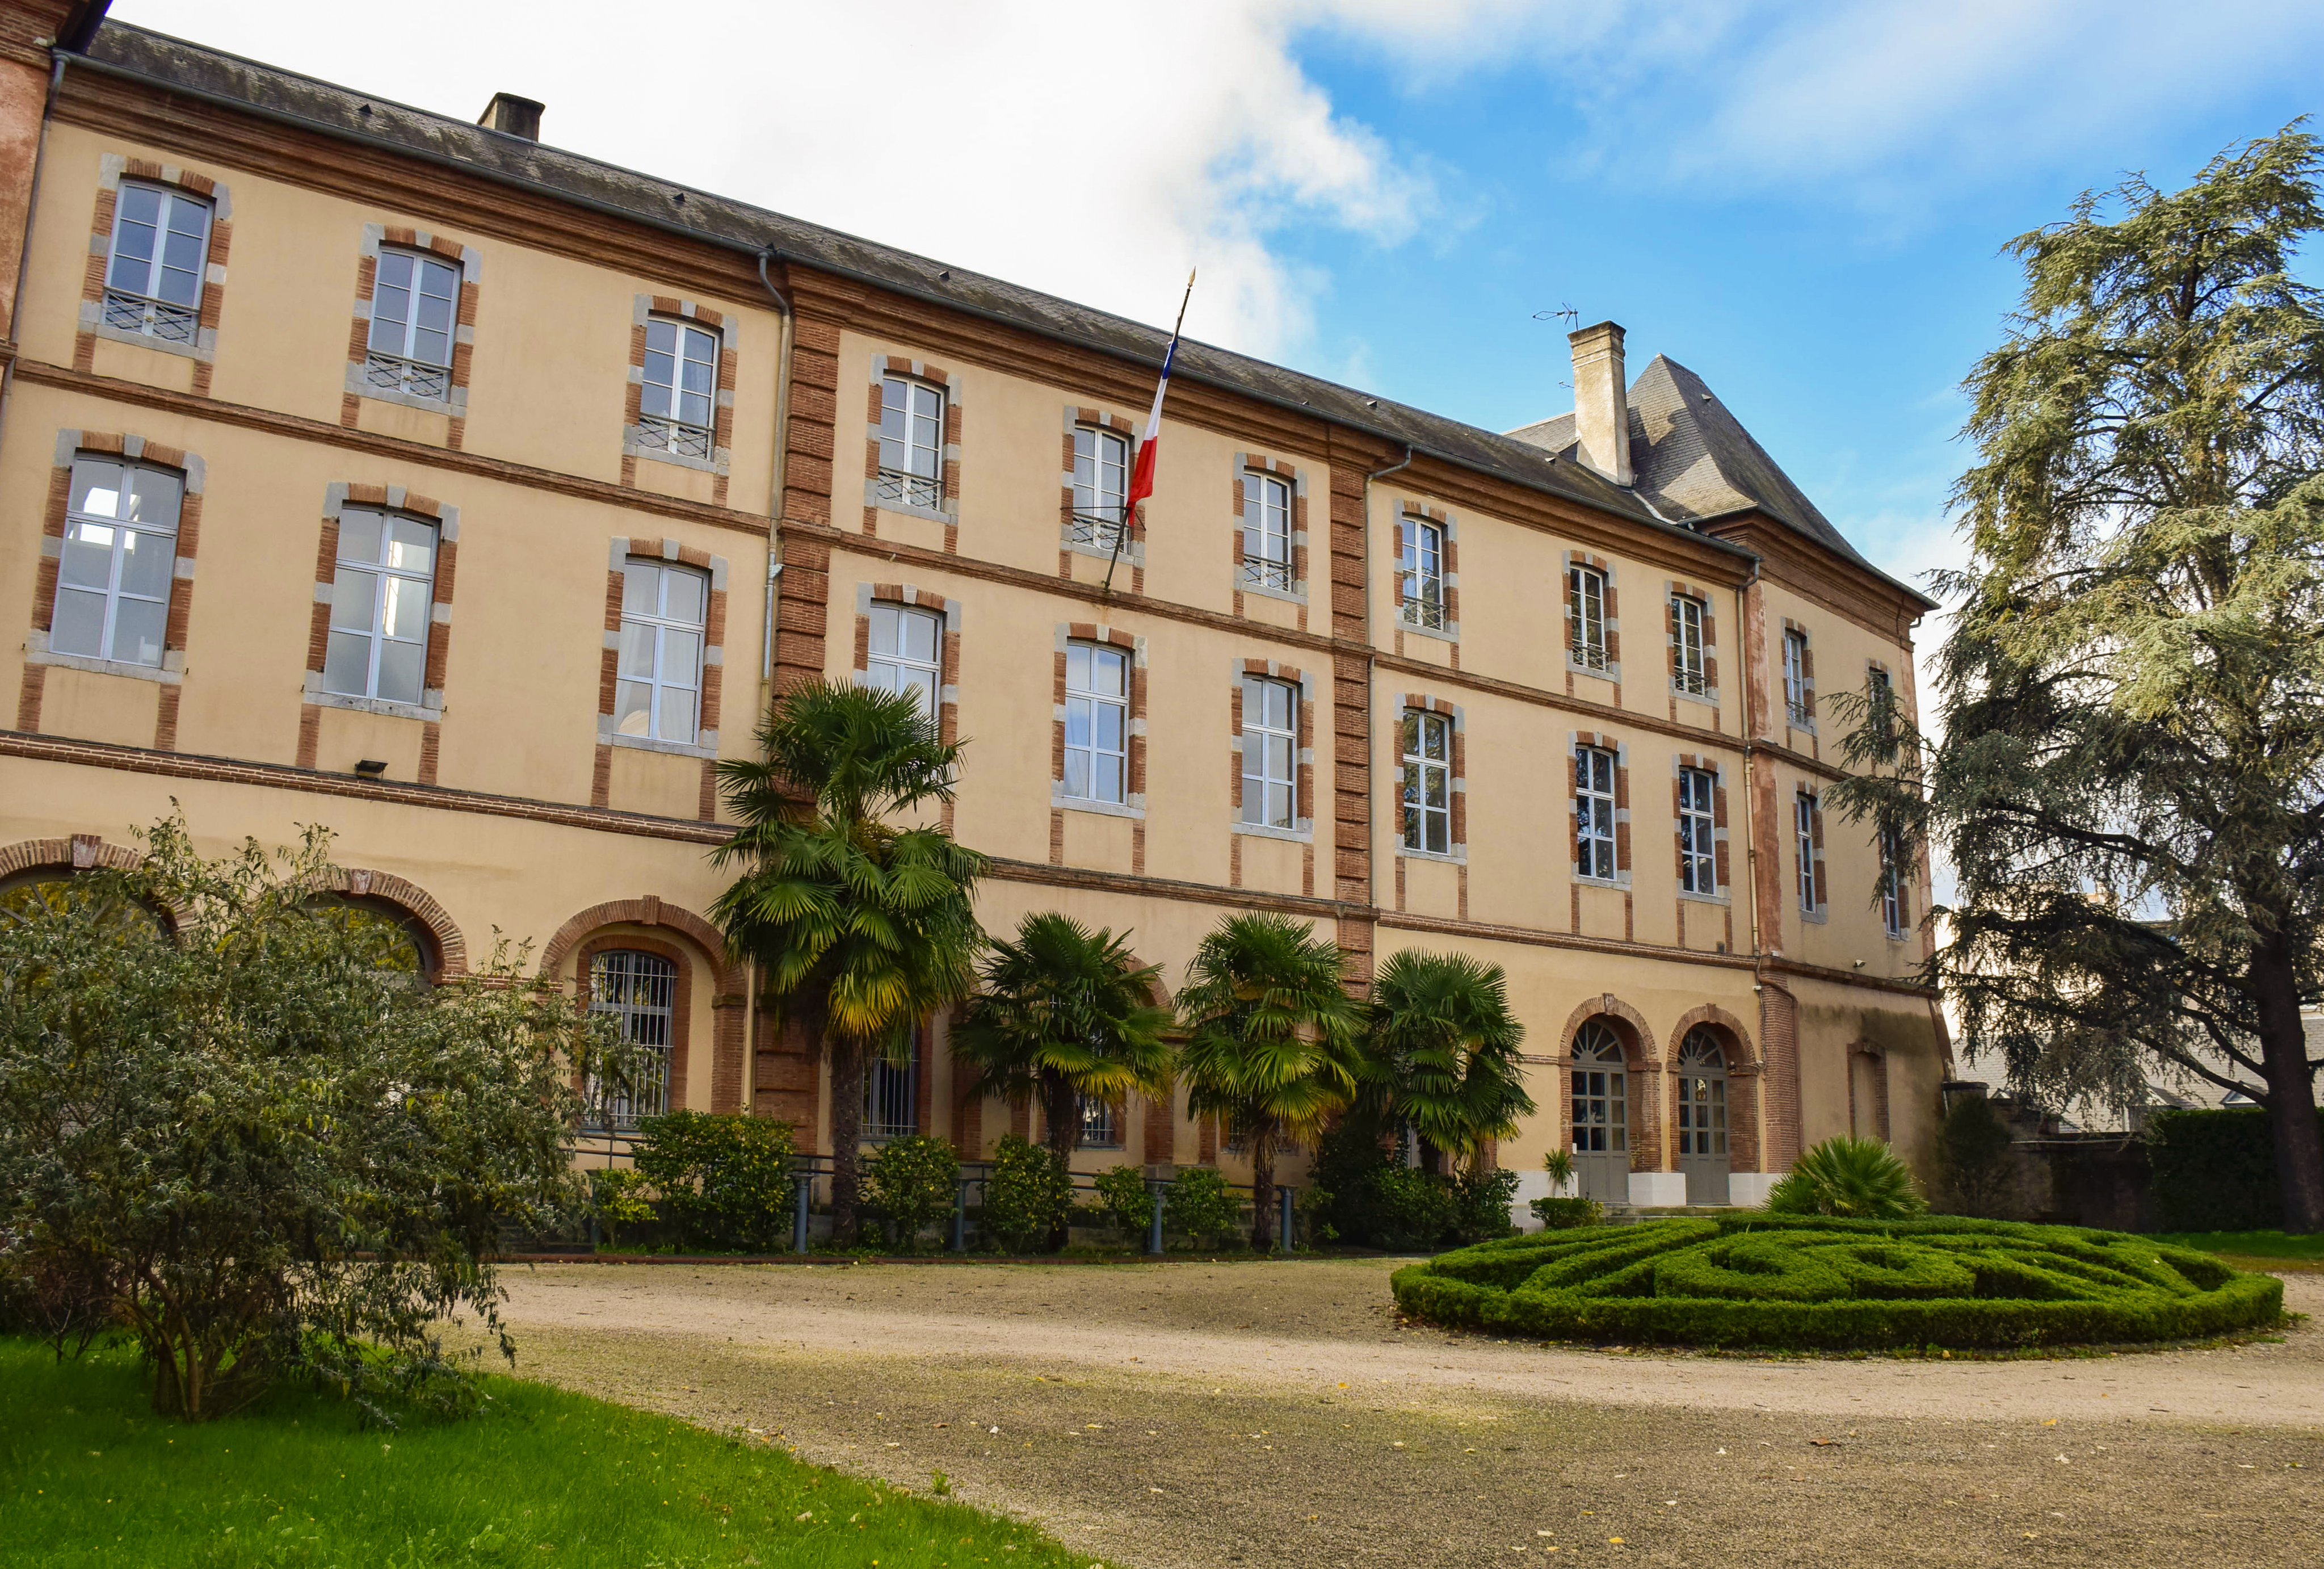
(1739, 473)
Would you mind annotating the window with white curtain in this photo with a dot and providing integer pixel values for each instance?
(905, 653)
(677, 402)
(658, 694)
(382, 596)
(118, 562)
(911, 442)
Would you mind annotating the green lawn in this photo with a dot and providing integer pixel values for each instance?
(2254, 1250)
(88, 1476)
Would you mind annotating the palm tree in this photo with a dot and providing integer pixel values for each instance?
(1065, 1015)
(1273, 1045)
(1443, 1034)
(862, 928)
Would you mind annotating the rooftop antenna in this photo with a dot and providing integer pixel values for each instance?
(1566, 314)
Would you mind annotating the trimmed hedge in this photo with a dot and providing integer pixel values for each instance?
(2215, 1170)
(1811, 1282)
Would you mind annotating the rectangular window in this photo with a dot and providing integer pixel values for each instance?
(1803, 833)
(1427, 782)
(1097, 723)
(1420, 581)
(1686, 645)
(640, 992)
(1893, 910)
(382, 600)
(1101, 1124)
(659, 694)
(911, 443)
(1698, 821)
(1586, 616)
(1593, 812)
(119, 559)
(1797, 701)
(905, 654)
(160, 252)
(1271, 752)
(1265, 531)
(891, 1101)
(1100, 486)
(415, 304)
(676, 403)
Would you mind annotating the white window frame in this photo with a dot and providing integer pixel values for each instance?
(1803, 825)
(1102, 471)
(136, 290)
(389, 582)
(123, 538)
(1586, 618)
(674, 427)
(1798, 706)
(661, 626)
(1426, 826)
(1086, 707)
(1594, 813)
(1270, 755)
(889, 665)
(1698, 831)
(1266, 513)
(397, 364)
(1420, 575)
(911, 458)
(1892, 883)
(1687, 668)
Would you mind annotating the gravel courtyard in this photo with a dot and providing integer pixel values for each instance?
(1195, 1415)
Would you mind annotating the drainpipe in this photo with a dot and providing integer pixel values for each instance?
(1371, 668)
(787, 337)
(31, 214)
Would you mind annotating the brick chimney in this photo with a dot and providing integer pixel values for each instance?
(1601, 401)
(513, 116)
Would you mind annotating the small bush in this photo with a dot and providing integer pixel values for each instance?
(724, 1181)
(1481, 1205)
(1126, 1201)
(914, 1183)
(1817, 1283)
(1562, 1214)
(1200, 1206)
(1851, 1178)
(617, 1197)
(1027, 1197)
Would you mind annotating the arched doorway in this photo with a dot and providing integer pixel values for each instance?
(1602, 1114)
(1703, 1116)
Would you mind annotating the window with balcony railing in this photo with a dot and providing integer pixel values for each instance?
(1101, 487)
(678, 395)
(159, 255)
(911, 444)
(415, 307)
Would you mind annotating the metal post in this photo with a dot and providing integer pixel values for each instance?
(960, 1217)
(1284, 1231)
(1154, 1233)
(798, 1212)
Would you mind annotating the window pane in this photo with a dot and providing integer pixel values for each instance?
(152, 498)
(97, 488)
(653, 398)
(404, 609)
(410, 546)
(661, 338)
(1077, 780)
(346, 664)
(678, 715)
(1077, 722)
(1077, 666)
(146, 561)
(1107, 723)
(1278, 757)
(637, 650)
(681, 656)
(78, 624)
(137, 631)
(1111, 672)
(919, 638)
(88, 561)
(359, 535)
(400, 671)
(632, 707)
(640, 588)
(1109, 777)
(683, 594)
(354, 599)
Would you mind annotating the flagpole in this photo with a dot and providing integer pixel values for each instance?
(1121, 527)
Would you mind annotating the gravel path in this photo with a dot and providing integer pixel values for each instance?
(1192, 1415)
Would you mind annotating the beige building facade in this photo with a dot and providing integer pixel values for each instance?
(365, 467)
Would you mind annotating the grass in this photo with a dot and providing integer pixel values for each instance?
(89, 1476)
(2276, 1251)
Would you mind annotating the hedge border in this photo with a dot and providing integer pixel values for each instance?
(1478, 1288)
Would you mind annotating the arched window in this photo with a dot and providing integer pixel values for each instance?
(1703, 1116)
(403, 948)
(42, 891)
(641, 991)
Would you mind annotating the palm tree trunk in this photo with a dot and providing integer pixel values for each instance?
(1062, 1108)
(846, 1134)
(1262, 1185)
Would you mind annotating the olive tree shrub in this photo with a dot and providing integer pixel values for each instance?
(269, 1145)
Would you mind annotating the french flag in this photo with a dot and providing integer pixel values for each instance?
(1141, 477)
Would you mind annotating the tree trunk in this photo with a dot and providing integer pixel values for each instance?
(1262, 1186)
(1063, 1109)
(846, 1135)
(2290, 1091)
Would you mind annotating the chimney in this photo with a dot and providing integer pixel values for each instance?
(513, 115)
(1601, 401)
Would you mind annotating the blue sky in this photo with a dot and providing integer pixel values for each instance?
(1803, 203)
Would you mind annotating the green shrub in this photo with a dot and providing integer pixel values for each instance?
(1852, 1178)
(2214, 1171)
(724, 1180)
(1973, 1158)
(913, 1183)
(1126, 1201)
(1028, 1195)
(1481, 1205)
(617, 1197)
(1562, 1214)
(1198, 1204)
(1813, 1282)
